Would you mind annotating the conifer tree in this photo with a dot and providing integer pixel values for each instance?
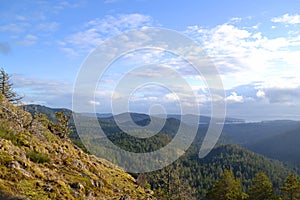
(227, 188)
(261, 188)
(291, 188)
(6, 88)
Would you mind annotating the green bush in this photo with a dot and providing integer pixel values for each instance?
(19, 139)
(38, 157)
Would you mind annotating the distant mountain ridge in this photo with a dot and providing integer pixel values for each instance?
(49, 112)
(202, 118)
(249, 133)
(259, 137)
(284, 146)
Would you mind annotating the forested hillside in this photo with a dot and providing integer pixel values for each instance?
(197, 176)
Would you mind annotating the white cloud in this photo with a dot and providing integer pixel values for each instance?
(171, 97)
(224, 43)
(256, 26)
(48, 92)
(16, 28)
(20, 18)
(95, 103)
(260, 94)
(71, 52)
(144, 99)
(287, 19)
(83, 41)
(40, 85)
(97, 30)
(286, 95)
(235, 20)
(235, 98)
(48, 27)
(28, 40)
(61, 5)
(244, 56)
(110, 1)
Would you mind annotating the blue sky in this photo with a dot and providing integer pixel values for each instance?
(255, 45)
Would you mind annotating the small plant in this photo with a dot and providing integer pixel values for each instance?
(38, 157)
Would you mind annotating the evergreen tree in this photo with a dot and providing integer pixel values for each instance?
(227, 188)
(179, 188)
(291, 188)
(261, 188)
(6, 87)
(61, 127)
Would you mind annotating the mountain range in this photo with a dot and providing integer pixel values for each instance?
(276, 139)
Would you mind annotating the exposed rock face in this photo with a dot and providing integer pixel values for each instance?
(37, 164)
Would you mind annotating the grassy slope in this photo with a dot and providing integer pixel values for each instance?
(36, 164)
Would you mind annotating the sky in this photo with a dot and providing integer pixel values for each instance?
(254, 45)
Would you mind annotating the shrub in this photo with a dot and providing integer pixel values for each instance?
(38, 157)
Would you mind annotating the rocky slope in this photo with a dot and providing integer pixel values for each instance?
(35, 163)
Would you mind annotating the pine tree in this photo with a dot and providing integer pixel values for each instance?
(261, 188)
(6, 87)
(227, 188)
(291, 188)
